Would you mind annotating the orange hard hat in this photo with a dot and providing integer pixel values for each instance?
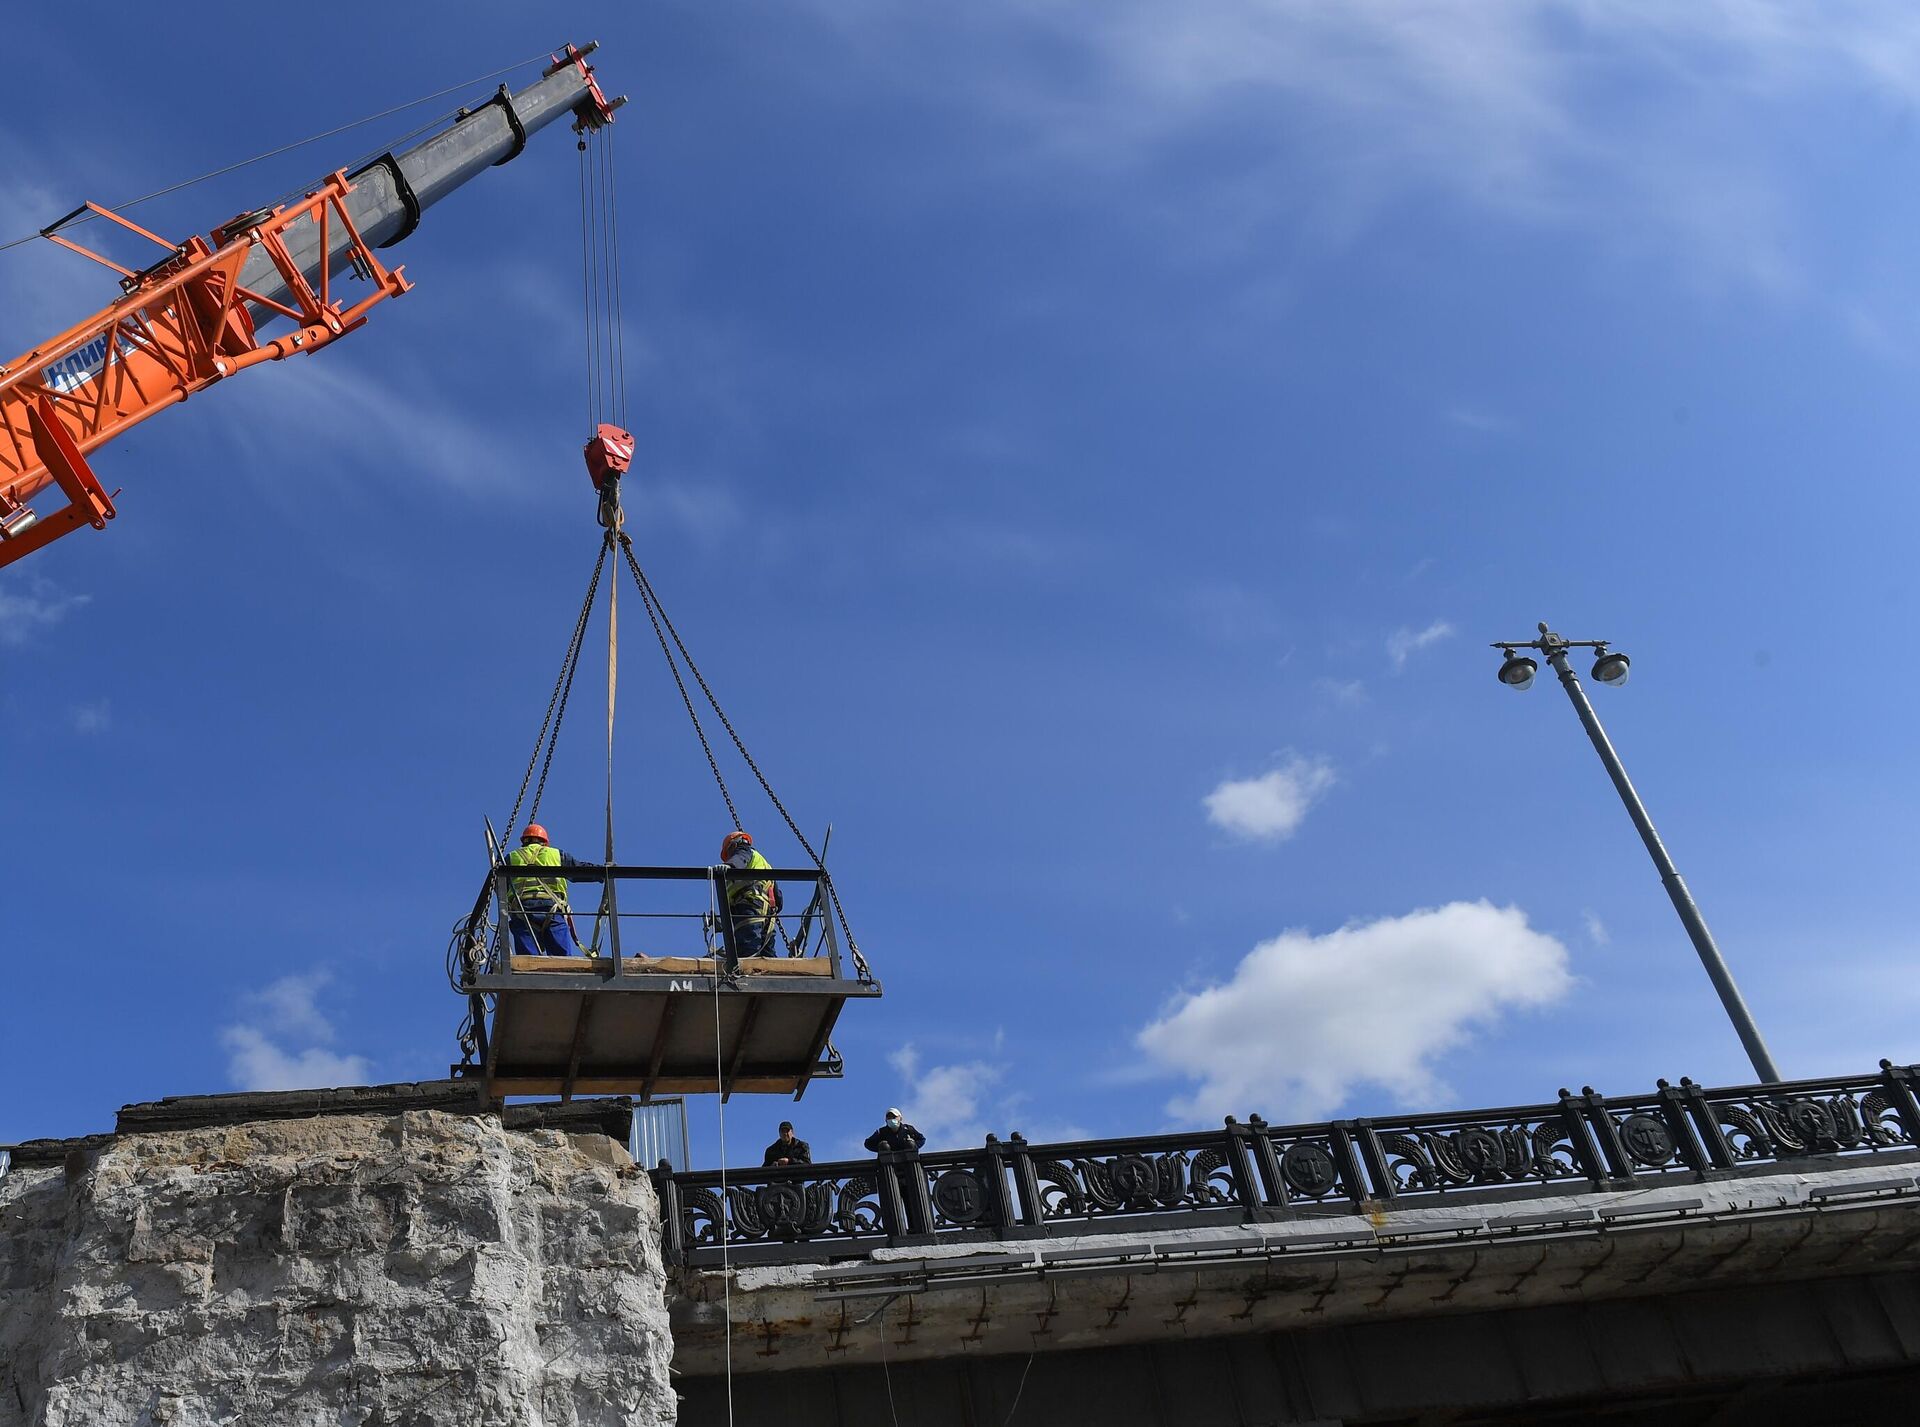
(732, 840)
(534, 833)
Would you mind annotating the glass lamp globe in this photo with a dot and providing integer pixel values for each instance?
(1611, 669)
(1518, 672)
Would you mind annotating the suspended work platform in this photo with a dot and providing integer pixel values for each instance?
(675, 1011)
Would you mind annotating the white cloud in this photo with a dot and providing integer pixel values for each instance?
(1272, 806)
(255, 1063)
(1596, 929)
(1305, 1020)
(287, 1013)
(94, 717)
(39, 606)
(291, 1006)
(1403, 644)
(944, 1102)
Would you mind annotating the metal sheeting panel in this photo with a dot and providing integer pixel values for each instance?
(660, 1133)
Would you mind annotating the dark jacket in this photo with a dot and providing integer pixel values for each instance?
(901, 1139)
(795, 1151)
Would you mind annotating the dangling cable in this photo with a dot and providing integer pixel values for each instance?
(720, 1117)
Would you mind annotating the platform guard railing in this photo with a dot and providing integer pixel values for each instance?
(806, 926)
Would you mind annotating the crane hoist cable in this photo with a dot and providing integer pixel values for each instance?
(600, 286)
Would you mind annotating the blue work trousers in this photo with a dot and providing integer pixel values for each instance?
(543, 932)
(752, 935)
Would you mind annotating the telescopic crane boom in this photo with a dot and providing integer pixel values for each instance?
(195, 316)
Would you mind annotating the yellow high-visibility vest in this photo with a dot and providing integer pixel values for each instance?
(536, 891)
(752, 899)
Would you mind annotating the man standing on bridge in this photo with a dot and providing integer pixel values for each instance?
(787, 1149)
(537, 910)
(899, 1138)
(896, 1135)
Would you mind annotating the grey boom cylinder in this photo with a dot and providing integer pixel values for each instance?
(391, 193)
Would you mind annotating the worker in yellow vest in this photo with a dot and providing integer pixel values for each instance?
(752, 905)
(537, 910)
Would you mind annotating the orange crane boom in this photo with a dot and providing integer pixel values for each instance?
(194, 317)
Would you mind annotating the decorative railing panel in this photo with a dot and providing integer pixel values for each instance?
(1255, 1171)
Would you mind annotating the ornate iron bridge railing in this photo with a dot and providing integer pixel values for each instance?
(1251, 1172)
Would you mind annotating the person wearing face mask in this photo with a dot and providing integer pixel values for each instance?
(896, 1135)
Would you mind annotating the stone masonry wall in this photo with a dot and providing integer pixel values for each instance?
(405, 1270)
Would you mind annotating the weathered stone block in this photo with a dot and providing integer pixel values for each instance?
(423, 1267)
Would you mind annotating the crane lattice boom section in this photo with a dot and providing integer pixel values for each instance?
(194, 317)
(183, 325)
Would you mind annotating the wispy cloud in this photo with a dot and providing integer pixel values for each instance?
(1472, 418)
(1597, 932)
(1641, 126)
(1404, 643)
(1342, 693)
(1287, 1036)
(397, 425)
(93, 717)
(1229, 613)
(1271, 807)
(28, 608)
(945, 1102)
(43, 288)
(283, 1044)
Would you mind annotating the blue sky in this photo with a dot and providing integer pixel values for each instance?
(1090, 450)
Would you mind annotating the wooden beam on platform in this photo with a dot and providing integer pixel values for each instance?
(831, 1014)
(751, 1080)
(740, 1047)
(580, 1022)
(659, 1046)
(493, 1040)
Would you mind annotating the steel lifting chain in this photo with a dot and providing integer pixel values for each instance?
(654, 616)
(686, 699)
(557, 704)
(655, 608)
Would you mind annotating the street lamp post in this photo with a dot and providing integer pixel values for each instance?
(1610, 667)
